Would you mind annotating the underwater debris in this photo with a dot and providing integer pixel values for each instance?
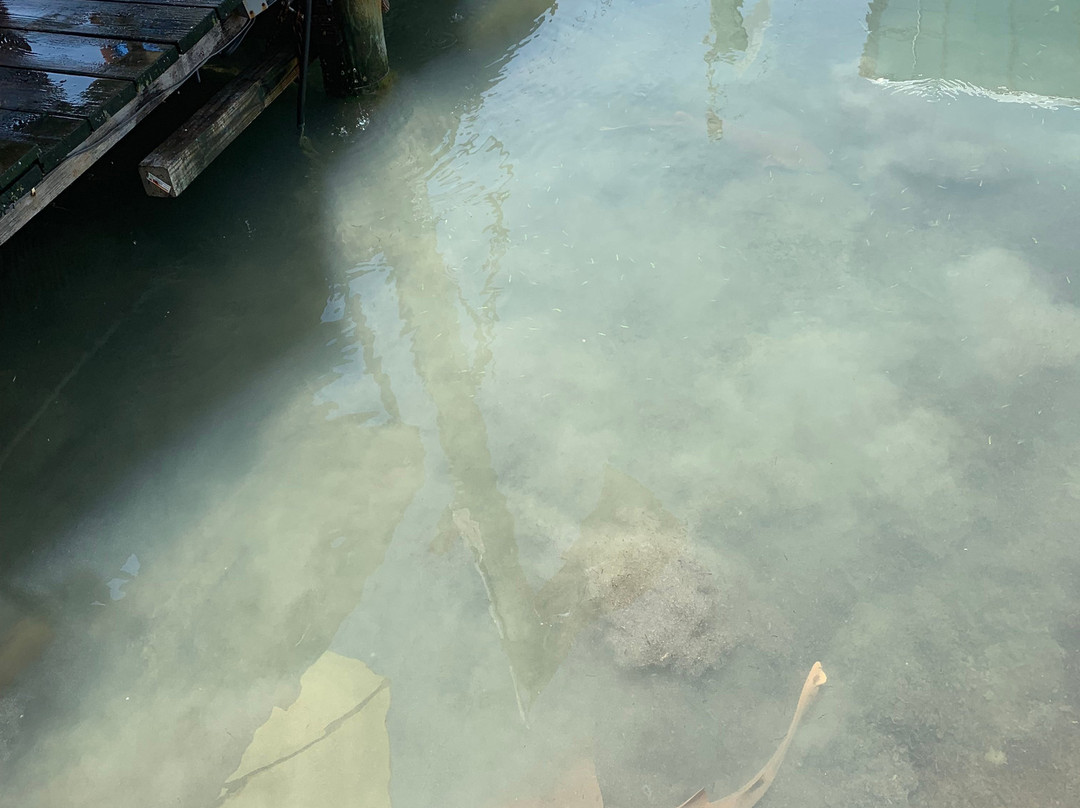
(23, 637)
(677, 623)
(693, 614)
(579, 787)
(754, 790)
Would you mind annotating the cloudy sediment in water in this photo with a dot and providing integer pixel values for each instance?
(553, 413)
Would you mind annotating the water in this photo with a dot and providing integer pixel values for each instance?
(558, 409)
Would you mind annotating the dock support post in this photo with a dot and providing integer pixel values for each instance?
(351, 45)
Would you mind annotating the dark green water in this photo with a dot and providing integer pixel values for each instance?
(559, 408)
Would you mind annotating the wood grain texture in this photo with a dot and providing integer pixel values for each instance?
(54, 135)
(174, 165)
(103, 138)
(84, 97)
(182, 26)
(348, 36)
(140, 62)
(16, 157)
(222, 7)
(20, 187)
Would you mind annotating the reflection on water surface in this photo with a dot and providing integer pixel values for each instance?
(536, 430)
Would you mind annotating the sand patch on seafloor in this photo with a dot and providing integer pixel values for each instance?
(1011, 321)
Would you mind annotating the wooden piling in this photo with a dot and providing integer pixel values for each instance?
(350, 43)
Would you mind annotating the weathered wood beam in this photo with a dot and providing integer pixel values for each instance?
(174, 165)
(108, 134)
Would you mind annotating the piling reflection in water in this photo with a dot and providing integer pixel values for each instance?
(546, 450)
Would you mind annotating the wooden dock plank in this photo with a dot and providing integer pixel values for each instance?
(223, 7)
(182, 26)
(20, 187)
(16, 157)
(54, 135)
(141, 62)
(61, 94)
(106, 136)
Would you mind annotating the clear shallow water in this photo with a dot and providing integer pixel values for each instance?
(565, 404)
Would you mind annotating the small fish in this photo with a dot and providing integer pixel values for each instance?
(779, 149)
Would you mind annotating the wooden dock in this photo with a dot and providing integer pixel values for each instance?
(77, 75)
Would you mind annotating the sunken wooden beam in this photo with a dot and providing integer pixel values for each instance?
(349, 41)
(174, 165)
(105, 136)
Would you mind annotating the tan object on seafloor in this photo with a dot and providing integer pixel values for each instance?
(579, 788)
(21, 646)
(329, 748)
(753, 791)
